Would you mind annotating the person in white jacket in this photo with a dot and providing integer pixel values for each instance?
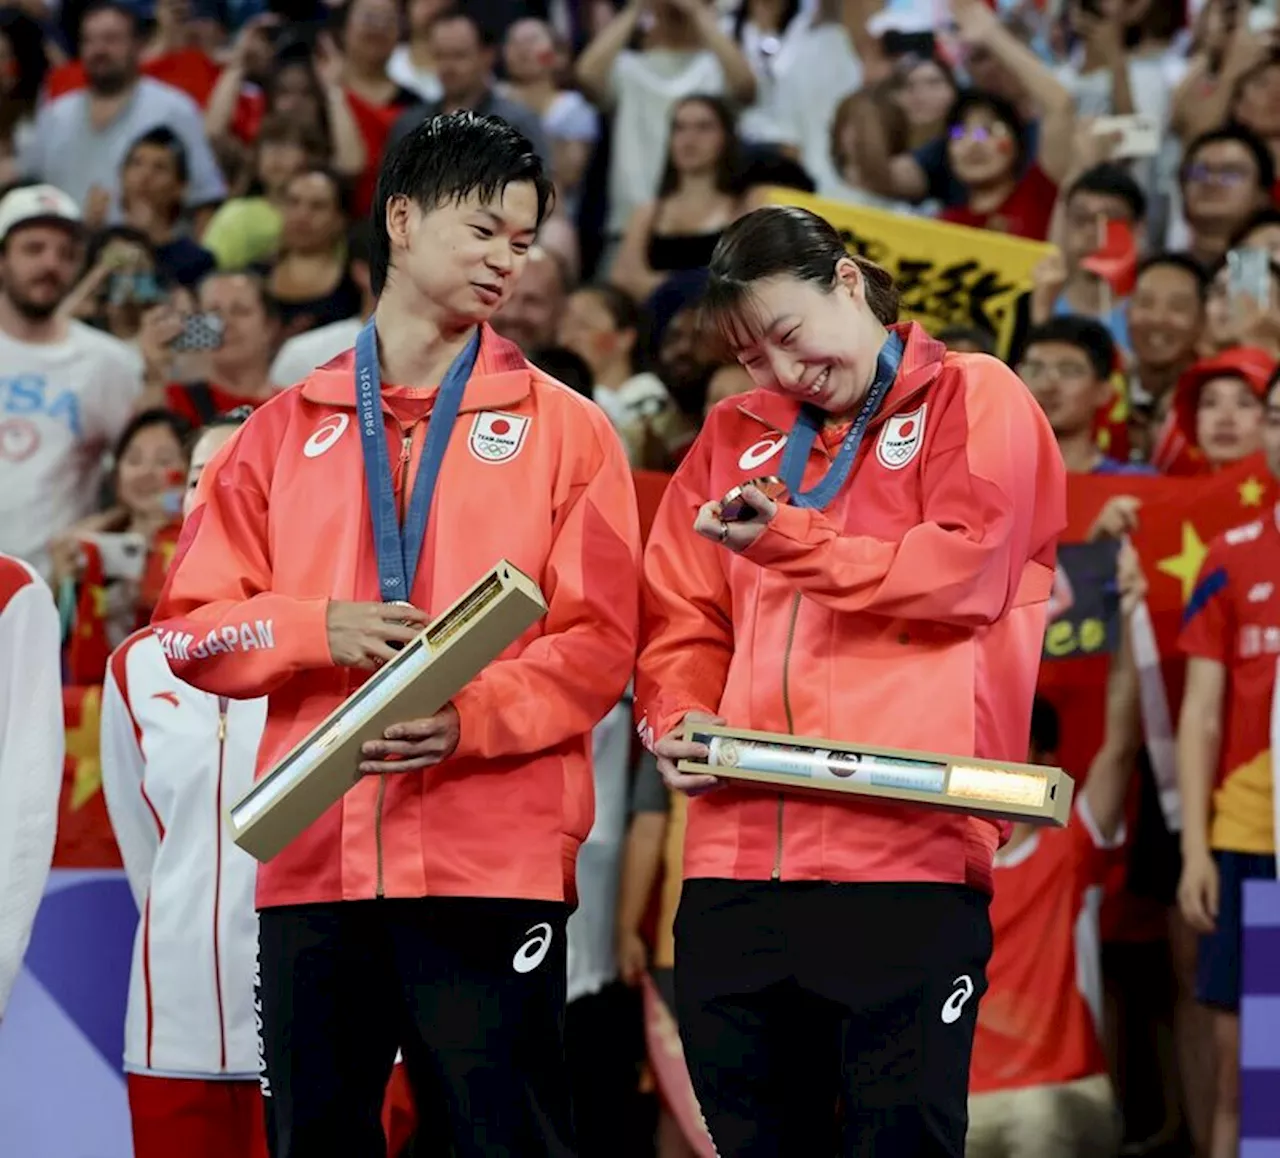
(31, 753)
(173, 759)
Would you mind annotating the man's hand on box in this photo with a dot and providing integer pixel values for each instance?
(413, 745)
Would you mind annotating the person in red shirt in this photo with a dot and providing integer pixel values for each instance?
(986, 137)
(1231, 635)
(238, 364)
(1039, 1071)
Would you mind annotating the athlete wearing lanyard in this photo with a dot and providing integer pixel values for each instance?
(426, 910)
(831, 953)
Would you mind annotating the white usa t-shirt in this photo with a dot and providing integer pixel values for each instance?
(62, 406)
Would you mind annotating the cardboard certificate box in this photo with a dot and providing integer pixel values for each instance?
(1000, 791)
(426, 674)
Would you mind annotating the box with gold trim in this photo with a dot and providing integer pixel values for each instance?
(1001, 791)
(424, 676)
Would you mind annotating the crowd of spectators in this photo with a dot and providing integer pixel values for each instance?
(184, 234)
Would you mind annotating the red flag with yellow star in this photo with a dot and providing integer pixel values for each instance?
(88, 648)
(1176, 528)
(85, 838)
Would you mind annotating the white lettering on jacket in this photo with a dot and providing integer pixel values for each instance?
(246, 636)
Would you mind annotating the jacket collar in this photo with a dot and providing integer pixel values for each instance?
(921, 364)
(501, 378)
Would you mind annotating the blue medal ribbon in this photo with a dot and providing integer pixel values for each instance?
(398, 547)
(809, 422)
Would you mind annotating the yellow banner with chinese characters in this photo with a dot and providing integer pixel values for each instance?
(948, 275)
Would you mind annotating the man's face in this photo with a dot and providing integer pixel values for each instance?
(1062, 380)
(462, 62)
(1166, 316)
(373, 27)
(681, 363)
(108, 52)
(1221, 187)
(465, 257)
(1086, 221)
(38, 265)
(531, 317)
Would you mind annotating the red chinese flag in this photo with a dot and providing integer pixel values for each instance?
(88, 648)
(85, 838)
(1176, 527)
(1116, 259)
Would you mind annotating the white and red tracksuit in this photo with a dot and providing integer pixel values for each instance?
(173, 759)
(31, 754)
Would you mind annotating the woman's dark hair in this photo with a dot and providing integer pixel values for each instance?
(976, 101)
(729, 163)
(784, 241)
(892, 118)
(299, 57)
(342, 193)
(178, 426)
(790, 10)
(626, 315)
(565, 366)
(26, 41)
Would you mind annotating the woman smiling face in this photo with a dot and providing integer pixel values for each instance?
(808, 342)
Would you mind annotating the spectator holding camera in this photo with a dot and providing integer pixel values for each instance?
(238, 326)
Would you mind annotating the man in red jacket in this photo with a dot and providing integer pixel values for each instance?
(427, 908)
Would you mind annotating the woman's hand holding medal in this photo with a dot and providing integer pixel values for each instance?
(739, 519)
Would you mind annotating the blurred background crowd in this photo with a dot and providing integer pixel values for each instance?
(208, 167)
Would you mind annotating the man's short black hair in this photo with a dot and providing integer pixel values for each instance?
(1112, 181)
(163, 137)
(116, 6)
(445, 160)
(978, 336)
(1250, 140)
(1182, 261)
(452, 12)
(1090, 337)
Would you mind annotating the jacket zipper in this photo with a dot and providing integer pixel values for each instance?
(406, 453)
(791, 723)
(217, 882)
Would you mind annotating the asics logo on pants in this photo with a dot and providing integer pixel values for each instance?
(953, 1007)
(530, 955)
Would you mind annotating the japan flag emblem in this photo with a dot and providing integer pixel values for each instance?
(497, 436)
(900, 439)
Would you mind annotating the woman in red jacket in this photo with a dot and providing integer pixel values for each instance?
(831, 949)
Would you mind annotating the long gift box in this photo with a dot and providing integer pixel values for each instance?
(991, 788)
(424, 676)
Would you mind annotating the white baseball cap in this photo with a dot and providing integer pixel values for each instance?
(34, 203)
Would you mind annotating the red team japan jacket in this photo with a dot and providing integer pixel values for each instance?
(908, 614)
(533, 474)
